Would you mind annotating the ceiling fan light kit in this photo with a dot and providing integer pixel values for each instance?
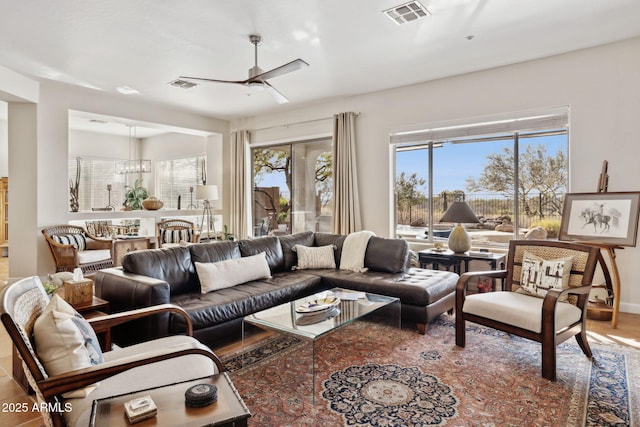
(257, 78)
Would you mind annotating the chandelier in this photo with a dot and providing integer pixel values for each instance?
(134, 165)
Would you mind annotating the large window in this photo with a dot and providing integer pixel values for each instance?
(512, 174)
(293, 187)
(179, 178)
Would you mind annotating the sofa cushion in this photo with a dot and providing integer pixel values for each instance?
(214, 251)
(223, 274)
(324, 239)
(270, 246)
(289, 241)
(387, 255)
(314, 257)
(213, 308)
(173, 265)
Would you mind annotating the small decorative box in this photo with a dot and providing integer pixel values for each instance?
(201, 395)
(77, 292)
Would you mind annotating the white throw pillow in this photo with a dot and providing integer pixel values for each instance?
(231, 272)
(315, 257)
(540, 275)
(65, 341)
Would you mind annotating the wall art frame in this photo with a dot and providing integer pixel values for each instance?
(609, 218)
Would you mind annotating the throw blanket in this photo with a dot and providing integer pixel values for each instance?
(353, 250)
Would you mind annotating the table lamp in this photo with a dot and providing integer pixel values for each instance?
(207, 193)
(459, 212)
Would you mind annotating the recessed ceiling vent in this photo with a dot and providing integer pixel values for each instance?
(183, 84)
(407, 12)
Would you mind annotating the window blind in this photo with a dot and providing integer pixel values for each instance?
(176, 178)
(495, 127)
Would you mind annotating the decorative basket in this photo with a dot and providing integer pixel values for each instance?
(152, 204)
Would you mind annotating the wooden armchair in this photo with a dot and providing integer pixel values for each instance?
(142, 366)
(553, 315)
(72, 247)
(172, 231)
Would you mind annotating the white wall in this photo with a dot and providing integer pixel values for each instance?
(600, 85)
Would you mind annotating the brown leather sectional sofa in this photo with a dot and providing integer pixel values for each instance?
(159, 276)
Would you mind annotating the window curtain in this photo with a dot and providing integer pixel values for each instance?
(239, 183)
(346, 207)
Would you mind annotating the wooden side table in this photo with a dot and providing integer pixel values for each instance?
(228, 411)
(450, 259)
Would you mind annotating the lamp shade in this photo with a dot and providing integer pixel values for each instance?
(459, 212)
(207, 192)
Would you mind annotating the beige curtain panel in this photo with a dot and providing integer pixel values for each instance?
(346, 204)
(239, 219)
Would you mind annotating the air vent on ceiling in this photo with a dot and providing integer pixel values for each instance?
(407, 12)
(183, 84)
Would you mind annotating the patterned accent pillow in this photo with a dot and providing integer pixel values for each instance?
(540, 275)
(65, 341)
(315, 257)
(175, 236)
(76, 240)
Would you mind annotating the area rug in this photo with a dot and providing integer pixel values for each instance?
(367, 374)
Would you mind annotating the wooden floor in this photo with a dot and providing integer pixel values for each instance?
(627, 334)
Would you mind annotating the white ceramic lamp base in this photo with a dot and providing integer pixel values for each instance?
(459, 240)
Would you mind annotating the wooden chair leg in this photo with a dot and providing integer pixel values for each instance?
(422, 328)
(584, 343)
(549, 360)
(460, 329)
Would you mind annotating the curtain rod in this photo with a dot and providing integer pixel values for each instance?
(285, 125)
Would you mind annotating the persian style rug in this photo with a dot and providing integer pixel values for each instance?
(367, 374)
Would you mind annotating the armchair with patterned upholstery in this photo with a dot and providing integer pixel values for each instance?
(173, 231)
(546, 285)
(68, 371)
(72, 246)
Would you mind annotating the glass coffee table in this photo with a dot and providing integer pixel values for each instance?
(305, 319)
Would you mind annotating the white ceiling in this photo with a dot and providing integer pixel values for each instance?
(351, 46)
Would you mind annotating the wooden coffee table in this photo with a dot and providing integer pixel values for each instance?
(228, 411)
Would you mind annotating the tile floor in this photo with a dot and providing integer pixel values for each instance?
(627, 333)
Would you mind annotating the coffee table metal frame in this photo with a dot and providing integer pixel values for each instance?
(283, 319)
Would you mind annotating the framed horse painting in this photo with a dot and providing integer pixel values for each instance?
(610, 218)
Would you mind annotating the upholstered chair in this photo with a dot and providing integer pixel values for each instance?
(546, 285)
(72, 246)
(68, 370)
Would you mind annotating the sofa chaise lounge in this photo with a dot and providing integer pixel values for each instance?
(158, 276)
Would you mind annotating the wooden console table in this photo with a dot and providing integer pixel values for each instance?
(123, 246)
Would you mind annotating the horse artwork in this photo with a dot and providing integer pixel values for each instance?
(595, 217)
(607, 218)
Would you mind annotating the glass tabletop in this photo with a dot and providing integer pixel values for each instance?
(353, 305)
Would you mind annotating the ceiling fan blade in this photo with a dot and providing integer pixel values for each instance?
(280, 98)
(242, 82)
(283, 69)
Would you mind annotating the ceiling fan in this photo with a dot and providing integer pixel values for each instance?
(258, 78)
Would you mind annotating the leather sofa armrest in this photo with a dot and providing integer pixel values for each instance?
(128, 291)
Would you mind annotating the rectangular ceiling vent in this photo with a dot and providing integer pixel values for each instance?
(183, 84)
(407, 12)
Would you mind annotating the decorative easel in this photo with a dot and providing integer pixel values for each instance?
(612, 303)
